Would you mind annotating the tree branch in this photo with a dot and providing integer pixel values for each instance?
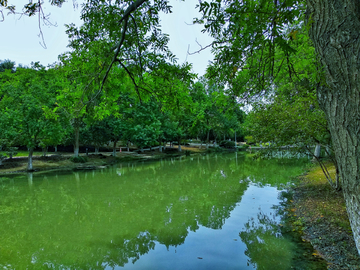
(138, 43)
(131, 8)
(125, 19)
(207, 46)
(132, 78)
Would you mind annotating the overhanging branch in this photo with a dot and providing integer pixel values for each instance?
(125, 19)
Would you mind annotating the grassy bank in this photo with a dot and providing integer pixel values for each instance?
(63, 161)
(320, 212)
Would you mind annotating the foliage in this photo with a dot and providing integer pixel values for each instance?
(295, 121)
(215, 112)
(249, 139)
(23, 120)
(227, 144)
(79, 159)
(144, 126)
(248, 37)
(7, 65)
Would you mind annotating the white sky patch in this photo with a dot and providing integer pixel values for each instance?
(19, 34)
(184, 35)
(20, 42)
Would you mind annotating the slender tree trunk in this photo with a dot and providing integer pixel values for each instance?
(76, 142)
(207, 139)
(97, 150)
(30, 159)
(235, 139)
(317, 150)
(44, 150)
(160, 146)
(55, 148)
(335, 32)
(179, 141)
(114, 149)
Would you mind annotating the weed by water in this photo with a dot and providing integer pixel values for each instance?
(79, 159)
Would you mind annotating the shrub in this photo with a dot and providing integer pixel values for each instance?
(249, 140)
(2, 157)
(11, 151)
(79, 159)
(227, 144)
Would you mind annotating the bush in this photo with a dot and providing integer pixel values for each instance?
(2, 157)
(249, 140)
(79, 159)
(242, 146)
(227, 144)
(11, 151)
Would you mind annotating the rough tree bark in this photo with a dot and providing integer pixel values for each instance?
(335, 32)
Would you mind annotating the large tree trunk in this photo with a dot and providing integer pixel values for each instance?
(335, 31)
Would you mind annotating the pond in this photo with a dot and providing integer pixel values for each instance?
(202, 212)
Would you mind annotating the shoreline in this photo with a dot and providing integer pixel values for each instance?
(318, 212)
(62, 161)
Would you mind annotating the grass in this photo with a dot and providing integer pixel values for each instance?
(323, 201)
(321, 211)
(24, 153)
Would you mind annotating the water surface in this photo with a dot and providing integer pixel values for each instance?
(206, 212)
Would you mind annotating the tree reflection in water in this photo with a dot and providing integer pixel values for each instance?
(274, 247)
(266, 247)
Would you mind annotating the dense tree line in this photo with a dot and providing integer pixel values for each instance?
(41, 107)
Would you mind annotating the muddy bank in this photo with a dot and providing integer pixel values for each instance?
(319, 212)
(63, 161)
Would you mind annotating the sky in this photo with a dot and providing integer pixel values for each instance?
(20, 41)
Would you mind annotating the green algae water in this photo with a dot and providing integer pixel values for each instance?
(204, 212)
